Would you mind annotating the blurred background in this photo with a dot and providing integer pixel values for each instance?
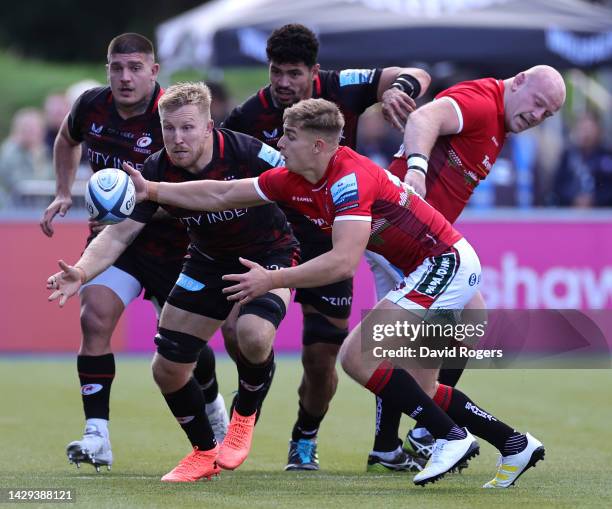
(541, 222)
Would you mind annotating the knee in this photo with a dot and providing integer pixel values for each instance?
(96, 322)
(254, 339)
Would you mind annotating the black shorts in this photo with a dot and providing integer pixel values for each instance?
(199, 286)
(332, 300)
(156, 277)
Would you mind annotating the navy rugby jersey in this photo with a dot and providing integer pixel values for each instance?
(111, 140)
(352, 90)
(224, 236)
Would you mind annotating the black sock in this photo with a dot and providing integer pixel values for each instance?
(401, 390)
(387, 426)
(306, 426)
(204, 373)
(450, 376)
(96, 374)
(252, 381)
(187, 405)
(465, 413)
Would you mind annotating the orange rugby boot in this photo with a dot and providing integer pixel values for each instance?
(237, 443)
(196, 465)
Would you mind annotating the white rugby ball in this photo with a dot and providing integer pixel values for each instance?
(110, 196)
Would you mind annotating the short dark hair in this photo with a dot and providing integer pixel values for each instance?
(131, 43)
(293, 44)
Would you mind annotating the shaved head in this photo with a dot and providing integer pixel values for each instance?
(532, 96)
(548, 79)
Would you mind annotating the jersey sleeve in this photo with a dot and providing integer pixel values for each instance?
(144, 211)
(272, 185)
(264, 157)
(353, 196)
(75, 118)
(356, 89)
(473, 107)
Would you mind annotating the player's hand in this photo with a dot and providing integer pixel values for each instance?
(140, 183)
(416, 179)
(65, 283)
(96, 226)
(396, 106)
(251, 284)
(60, 205)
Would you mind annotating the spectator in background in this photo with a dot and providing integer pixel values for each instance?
(376, 139)
(23, 155)
(55, 109)
(221, 103)
(584, 177)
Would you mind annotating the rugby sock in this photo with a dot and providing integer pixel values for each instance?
(450, 376)
(252, 383)
(204, 373)
(401, 390)
(187, 405)
(464, 412)
(96, 374)
(387, 425)
(306, 426)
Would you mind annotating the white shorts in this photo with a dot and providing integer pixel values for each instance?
(386, 275)
(126, 286)
(446, 281)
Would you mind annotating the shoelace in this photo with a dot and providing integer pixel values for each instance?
(188, 462)
(437, 451)
(237, 434)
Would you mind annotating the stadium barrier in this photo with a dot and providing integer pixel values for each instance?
(552, 260)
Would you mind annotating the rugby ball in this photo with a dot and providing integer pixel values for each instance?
(110, 196)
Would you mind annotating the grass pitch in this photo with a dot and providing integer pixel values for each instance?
(569, 411)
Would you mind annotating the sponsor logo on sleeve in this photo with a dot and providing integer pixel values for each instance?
(270, 155)
(345, 190)
(356, 76)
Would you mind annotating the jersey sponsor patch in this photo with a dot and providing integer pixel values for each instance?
(356, 76)
(270, 155)
(189, 284)
(440, 274)
(345, 190)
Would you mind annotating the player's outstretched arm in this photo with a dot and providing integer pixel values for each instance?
(349, 242)
(99, 255)
(66, 156)
(209, 195)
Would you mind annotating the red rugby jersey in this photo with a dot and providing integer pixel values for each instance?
(404, 228)
(458, 162)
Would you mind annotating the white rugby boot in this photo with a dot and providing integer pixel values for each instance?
(94, 448)
(510, 468)
(446, 456)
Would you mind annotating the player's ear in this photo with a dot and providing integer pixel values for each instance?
(314, 71)
(518, 81)
(319, 145)
(155, 70)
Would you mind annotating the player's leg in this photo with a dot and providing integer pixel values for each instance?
(411, 393)
(458, 285)
(256, 329)
(387, 453)
(103, 300)
(325, 326)
(158, 281)
(180, 338)
(230, 339)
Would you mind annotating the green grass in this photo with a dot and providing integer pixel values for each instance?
(568, 410)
